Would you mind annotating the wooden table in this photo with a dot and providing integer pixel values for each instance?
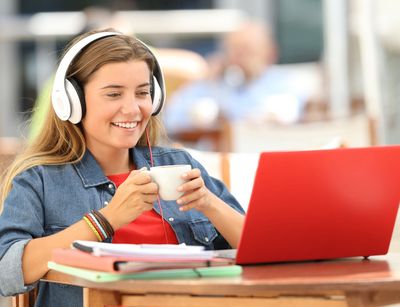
(345, 282)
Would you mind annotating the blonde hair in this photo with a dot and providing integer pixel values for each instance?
(61, 142)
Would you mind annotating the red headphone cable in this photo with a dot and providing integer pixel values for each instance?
(158, 197)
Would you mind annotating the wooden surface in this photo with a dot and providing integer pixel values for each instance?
(347, 282)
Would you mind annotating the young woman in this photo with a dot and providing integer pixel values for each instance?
(80, 179)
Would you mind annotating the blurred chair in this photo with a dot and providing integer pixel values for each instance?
(395, 242)
(10, 145)
(354, 131)
(25, 299)
(9, 148)
(5, 161)
(180, 66)
(217, 138)
(217, 164)
(242, 172)
(22, 300)
(236, 170)
(243, 168)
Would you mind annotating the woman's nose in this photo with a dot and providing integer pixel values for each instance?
(130, 106)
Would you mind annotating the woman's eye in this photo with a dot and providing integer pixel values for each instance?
(144, 93)
(113, 94)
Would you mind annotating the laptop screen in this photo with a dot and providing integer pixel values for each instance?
(321, 204)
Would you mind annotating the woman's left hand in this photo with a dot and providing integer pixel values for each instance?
(196, 195)
(225, 219)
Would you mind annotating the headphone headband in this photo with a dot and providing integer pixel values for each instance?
(65, 97)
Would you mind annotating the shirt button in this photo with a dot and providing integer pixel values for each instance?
(110, 186)
(105, 203)
(171, 219)
(206, 239)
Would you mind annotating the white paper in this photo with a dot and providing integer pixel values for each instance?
(181, 251)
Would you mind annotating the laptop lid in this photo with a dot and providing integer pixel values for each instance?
(322, 204)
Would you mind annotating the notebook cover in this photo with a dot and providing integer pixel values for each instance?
(98, 276)
(77, 258)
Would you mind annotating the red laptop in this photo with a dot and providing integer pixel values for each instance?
(322, 204)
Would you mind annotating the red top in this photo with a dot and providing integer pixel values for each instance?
(148, 228)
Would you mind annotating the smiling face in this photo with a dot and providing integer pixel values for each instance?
(118, 106)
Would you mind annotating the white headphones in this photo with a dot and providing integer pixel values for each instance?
(67, 95)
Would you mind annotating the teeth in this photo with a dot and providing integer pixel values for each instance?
(128, 125)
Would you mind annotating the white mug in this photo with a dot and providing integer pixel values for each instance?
(168, 179)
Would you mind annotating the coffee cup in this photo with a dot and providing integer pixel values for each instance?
(168, 179)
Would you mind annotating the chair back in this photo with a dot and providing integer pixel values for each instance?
(216, 163)
(26, 299)
(5, 161)
(10, 145)
(9, 148)
(355, 131)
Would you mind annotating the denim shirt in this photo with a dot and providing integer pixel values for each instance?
(46, 199)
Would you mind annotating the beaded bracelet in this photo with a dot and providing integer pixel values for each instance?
(100, 229)
(99, 225)
(92, 227)
(104, 222)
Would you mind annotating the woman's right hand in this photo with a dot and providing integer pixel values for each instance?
(133, 197)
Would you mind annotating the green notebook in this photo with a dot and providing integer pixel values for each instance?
(98, 276)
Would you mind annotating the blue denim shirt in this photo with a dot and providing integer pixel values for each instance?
(47, 199)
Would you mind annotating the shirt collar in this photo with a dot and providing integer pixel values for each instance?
(91, 173)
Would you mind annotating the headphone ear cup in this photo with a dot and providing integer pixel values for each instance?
(157, 97)
(76, 99)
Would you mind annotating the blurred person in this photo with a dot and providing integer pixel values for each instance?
(81, 178)
(243, 84)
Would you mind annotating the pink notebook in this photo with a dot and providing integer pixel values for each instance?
(77, 258)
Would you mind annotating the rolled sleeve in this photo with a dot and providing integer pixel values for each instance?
(11, 277)
(20, 221)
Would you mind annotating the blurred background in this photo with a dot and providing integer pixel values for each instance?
(323, 73)
(341, 55)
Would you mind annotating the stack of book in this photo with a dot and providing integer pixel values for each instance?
(104, 262)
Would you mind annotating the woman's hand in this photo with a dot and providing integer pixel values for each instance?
(133, 197)
(196, 195)
(225, 219)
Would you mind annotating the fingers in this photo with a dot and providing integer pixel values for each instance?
(149, 188)
(188, 207)
(195, 191)
(192, 196)
(141, 181)
(199, 200)
(139, 176)
(195, 181)
(150, 199)
(194, 173)
(139, 185)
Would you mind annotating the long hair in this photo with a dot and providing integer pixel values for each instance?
(61, 142)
